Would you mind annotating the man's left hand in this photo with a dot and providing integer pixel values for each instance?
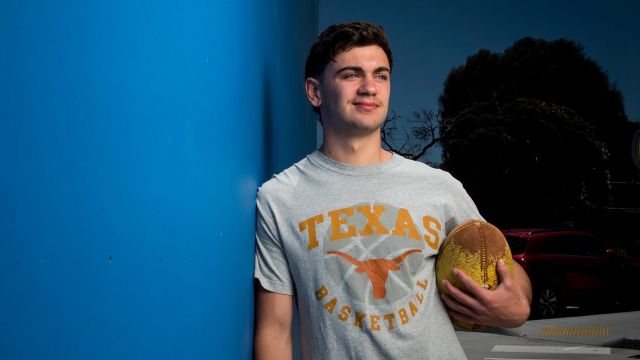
(506, 306)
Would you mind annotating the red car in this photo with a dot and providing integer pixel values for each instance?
(568, 267)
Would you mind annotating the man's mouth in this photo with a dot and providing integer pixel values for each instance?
(365, 105)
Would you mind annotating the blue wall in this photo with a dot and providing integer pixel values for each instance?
(133, 135)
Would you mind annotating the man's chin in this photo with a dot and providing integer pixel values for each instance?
(363, 128)
(358, 124)
(372, 120)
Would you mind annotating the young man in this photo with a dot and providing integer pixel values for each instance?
(351, 232)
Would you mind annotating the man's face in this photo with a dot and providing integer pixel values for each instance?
(353, 91)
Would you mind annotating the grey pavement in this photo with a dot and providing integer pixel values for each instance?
(605, 336)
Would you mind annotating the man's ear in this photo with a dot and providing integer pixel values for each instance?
(312, 87)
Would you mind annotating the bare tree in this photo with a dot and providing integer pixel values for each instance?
(411, 138)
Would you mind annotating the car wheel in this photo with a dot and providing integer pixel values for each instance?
(546, 303)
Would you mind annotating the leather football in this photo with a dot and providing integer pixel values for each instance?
(475, 248)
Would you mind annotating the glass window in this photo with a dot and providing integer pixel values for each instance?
(517, 244)
(592, 246)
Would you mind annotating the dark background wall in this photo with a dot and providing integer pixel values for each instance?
(133, 136)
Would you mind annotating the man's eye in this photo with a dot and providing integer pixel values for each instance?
(350, 76)
(383, 77)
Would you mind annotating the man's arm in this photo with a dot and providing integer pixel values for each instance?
(506, 306)
(273, 314)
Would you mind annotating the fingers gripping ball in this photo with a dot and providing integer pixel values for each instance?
(475, 248)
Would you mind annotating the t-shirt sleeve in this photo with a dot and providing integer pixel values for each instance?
(462, 209)
(271, 265)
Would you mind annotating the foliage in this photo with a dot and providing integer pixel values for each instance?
(527, 160)
(535, 133)
(555, 72)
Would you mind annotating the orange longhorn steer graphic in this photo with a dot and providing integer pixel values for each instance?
(377, 269)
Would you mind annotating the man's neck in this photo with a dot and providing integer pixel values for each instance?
(355, 151)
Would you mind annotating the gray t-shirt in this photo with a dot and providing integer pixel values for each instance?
(356, 246)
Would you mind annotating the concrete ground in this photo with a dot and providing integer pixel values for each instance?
(606, 336)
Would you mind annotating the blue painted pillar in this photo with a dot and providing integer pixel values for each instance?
(133, 135)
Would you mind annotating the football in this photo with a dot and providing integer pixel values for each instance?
(475, 248)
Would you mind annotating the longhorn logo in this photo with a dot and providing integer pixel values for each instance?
(377, 270)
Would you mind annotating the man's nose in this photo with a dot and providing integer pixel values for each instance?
(368, 86)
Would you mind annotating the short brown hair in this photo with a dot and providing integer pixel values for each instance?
(340, 38)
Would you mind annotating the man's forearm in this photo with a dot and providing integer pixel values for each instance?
(522, 281)
(270, 347)
(272, 337)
